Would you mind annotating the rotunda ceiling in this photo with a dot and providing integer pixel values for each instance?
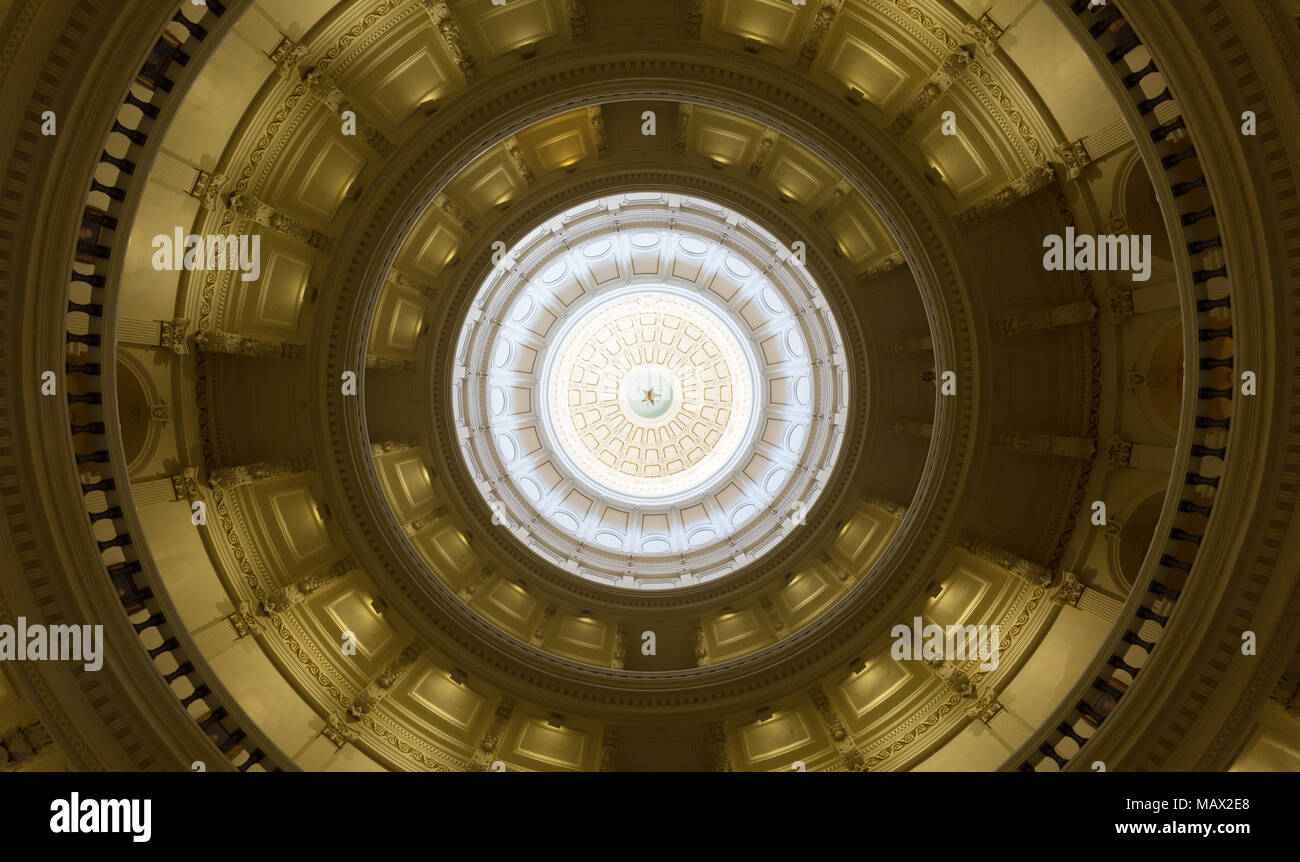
(645, 386)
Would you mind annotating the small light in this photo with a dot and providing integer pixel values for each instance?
(528, 50)
(855, 96)
(933, 175)
(752, 45)
(322, 512)
(857, 666)
(935, 589)
(458, 676)
(764, 713)
(378, 606)
(556, 720)
(719, 164)
(429, 105)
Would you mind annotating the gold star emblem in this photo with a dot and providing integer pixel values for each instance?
(650, 396)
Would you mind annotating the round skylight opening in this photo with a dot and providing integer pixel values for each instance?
(650, 392)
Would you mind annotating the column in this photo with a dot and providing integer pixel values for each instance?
(215, 637)
(167, 489)
(1121, 454)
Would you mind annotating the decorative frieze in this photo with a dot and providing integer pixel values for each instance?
(1069, 590)
(406, 282)
(576, 12)
(852, 756)
(895, 509)
(765, 144)
(486, 750)
(1074, 157)
(384, 363)
(172, 335)
(609, 740)
(22, 743)
(185, 484)
(718, 747)
(337, 731)
(258, 212)
(911, 345)
(425, 520)
(234, 344)
(884, 265)
(821, 25)
(454, 213)
(449, 30)
(543, 625)
(207, 189)
(833, 199)
(701, 647)
(1073, 314)
(694, 18)
(596, 116)
(283, 598)
(369, 698)
(773, 618)
(620, 647)
(910, 427)
(984, 33)
(1012, 193)
(936, 86)
(476, 581)
(1046, 444)
(329, 95)
(517, 159)
(286, 56)
(984, 708)
(956, 680)
(385, 447)
(229, 478)
(684, 111)
(1028, 571)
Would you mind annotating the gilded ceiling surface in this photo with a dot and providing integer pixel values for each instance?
(587, 385)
